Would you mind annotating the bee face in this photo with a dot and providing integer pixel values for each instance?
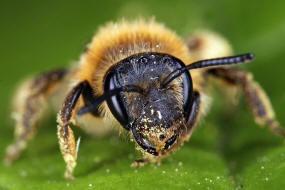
(156, 116)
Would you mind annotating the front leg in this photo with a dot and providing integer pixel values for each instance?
(65, 134)
(256, 98)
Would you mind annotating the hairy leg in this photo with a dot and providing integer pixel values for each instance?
(204, 44)
(256, 98)
(65, 134)
(30, 103)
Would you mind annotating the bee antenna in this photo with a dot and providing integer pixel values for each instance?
(94, 104)
(208, 63)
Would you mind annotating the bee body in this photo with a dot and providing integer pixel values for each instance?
(142, 76)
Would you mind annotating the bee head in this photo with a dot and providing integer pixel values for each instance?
(153, 113)
(151, 94)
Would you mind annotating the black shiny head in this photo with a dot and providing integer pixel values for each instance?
(156, 115)
(150, 94)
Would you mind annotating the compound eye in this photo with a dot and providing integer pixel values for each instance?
(187, 85)
(115, 103)
(187, 93)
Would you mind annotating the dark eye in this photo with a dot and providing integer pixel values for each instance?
(115, 103)
(188, 93)
(187, 90)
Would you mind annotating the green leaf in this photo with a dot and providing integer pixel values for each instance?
(227, 150)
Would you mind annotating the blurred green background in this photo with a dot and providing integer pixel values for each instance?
(227, 151)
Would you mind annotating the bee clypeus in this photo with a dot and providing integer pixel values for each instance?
(142, 76)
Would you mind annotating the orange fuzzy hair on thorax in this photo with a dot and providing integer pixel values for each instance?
(116, 41)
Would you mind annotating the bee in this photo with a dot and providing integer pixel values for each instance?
(141, 76)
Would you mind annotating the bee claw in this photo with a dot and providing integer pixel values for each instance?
(138, 163)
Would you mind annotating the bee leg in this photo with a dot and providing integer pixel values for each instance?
(29, 103)
(206, 45)
(65, 134)
(147, 158)
(256, 98)
(139, 162)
